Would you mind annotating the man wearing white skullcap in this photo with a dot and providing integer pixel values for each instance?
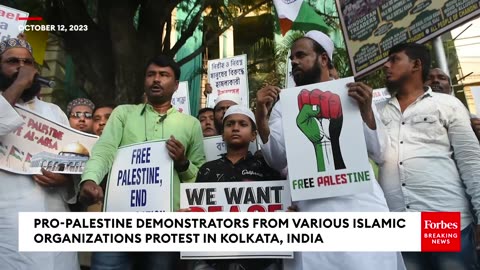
(311, 57)
(222, 103)
(45, 192)
(238, 165)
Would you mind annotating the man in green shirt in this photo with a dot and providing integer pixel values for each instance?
(129, 124)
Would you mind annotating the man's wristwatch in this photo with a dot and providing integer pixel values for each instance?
(183, 167)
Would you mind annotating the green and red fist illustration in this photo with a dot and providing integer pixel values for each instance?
(314, 106)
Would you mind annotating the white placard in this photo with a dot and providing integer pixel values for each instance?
(10, 24)
(140, 179)
(325, 144)
(181, 98)
(41, 143)
(256, 196)
(260, 196)
(228, 75)
(214, 147)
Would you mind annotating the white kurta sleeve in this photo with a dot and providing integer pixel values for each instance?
(377, 139)
(10, 120)
(274, 150)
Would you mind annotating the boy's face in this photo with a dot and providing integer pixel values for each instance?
(238, 130)
(100, 118)
(81, 118)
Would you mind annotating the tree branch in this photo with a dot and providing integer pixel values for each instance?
(189, 31)
(167, 40)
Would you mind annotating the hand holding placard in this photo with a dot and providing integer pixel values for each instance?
(50, 179)
(90, 192)
(176, 151)
(266, 98)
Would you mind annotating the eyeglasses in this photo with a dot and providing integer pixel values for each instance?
(87, 115)
(16, 61)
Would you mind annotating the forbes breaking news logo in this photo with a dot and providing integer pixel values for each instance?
(441, 232)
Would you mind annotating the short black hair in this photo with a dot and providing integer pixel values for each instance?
(165, 61)
(204, 110)
(415, 51)
(104, 105)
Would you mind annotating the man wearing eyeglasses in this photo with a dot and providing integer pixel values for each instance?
(45, 192)
(80, 114)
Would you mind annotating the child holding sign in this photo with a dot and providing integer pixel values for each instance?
(238, 164)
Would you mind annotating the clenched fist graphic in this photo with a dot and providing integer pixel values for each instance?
(315, 106)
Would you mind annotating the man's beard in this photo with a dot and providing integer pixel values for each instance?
(394, 86)
(27, 95)
(309, 76)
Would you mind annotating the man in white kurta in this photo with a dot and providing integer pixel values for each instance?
(25, 193)
(311, 58)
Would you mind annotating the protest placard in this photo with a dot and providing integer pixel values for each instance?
(228, 76)
(140, 179)
(371, 28)
(214, 147)
(260, 196)
(324, 140)
(10, 24)
(41, 143)
(181, 98)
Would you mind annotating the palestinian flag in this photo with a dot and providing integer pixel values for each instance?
(298, 15)
(28, 158)
(16, 153)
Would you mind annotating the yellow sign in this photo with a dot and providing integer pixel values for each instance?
(38, 40)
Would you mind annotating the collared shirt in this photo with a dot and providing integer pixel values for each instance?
(250, 168)
(130, 124)
(432, 149)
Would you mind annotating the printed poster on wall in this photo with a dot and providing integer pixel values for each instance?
(214, 147)
(41, 143)
(257, 196)
(181, 98)
(324, 140)
(10, 24)
(371, 28)
(228, 76)
(140, 179)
